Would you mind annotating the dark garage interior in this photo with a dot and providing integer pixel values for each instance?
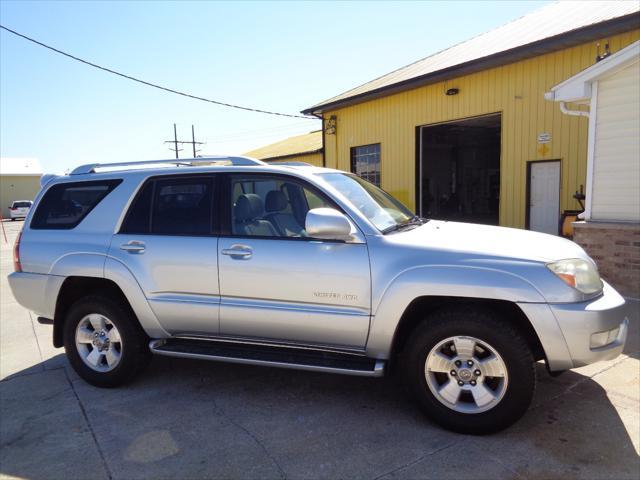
(460, 170)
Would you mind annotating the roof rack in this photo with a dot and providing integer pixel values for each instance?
(187, 162)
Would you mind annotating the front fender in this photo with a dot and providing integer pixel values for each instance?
(441, 281)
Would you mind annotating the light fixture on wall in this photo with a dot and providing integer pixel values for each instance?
(452, 91)
(331, 125)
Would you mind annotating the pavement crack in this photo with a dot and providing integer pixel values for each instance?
(35, 336)
(417, 460)
(220, 412)
(89, 426)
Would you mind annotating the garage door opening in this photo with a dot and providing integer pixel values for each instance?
(459, 170)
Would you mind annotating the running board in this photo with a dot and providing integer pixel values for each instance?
(283, 357)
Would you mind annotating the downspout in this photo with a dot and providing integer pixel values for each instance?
(324, 158)
(586, 215)
(577, 113)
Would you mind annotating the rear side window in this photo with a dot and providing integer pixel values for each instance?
(65, 205)
(176, 206)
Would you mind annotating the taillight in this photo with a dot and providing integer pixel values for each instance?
(16, 254)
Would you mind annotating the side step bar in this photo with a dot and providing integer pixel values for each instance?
(283, 357)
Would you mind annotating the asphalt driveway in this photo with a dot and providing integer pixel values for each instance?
(188, 419)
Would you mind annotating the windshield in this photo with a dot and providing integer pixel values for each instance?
(384, 211)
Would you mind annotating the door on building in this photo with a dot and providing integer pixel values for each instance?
(459, 170)
(544, 196)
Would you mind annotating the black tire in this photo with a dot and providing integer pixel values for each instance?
(135, 349)
(484, 325)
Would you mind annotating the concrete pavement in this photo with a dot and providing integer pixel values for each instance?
(192, 420)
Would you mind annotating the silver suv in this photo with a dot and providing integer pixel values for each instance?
(234, 260)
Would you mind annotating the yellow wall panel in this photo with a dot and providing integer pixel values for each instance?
(314, 159)
(515, 90)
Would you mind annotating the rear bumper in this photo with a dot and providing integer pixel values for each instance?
(595, 330)
(36, 292)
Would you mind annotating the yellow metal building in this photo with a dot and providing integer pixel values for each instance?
(467, 134)
(305, 148)
(19, 180)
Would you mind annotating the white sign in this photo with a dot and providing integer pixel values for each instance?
(544, 138)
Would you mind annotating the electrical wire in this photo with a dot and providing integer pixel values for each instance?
(292, 126)
(149, 84)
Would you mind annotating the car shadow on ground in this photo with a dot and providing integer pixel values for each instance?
(196, 419)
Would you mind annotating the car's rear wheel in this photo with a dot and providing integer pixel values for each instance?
(104, 343)
(471, 371)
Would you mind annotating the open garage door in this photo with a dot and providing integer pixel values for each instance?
(459, 170)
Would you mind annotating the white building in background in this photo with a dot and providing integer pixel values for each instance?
(19, 180)
(610, 230)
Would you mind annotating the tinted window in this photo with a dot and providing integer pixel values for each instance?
(21, 204)
(138, 220)
(66, 204)
(177, 206)
(271, 206)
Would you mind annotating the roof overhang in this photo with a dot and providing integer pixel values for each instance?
(547, 45)
(578, 88)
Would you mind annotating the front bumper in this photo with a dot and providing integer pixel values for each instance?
(584, 325)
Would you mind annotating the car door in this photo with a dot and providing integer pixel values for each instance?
(277, 283)
(167, 241)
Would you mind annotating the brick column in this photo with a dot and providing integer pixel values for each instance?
(616, 249)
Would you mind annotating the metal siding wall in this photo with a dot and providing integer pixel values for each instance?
(616, 175)
(312, 158)
(515, 90)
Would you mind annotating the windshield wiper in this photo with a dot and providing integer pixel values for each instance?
(412, 222)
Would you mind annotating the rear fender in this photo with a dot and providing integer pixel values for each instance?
(118, 272)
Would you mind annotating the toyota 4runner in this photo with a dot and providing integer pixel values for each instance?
(231, 259)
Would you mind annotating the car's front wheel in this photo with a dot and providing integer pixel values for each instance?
(471, 371)
(103, 341)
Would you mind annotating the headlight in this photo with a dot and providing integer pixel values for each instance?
(578, 273)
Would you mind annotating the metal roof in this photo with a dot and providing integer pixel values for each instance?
(300, 144)
(20, 166)
(549, 28)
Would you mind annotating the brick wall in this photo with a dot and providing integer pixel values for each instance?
(616, 249)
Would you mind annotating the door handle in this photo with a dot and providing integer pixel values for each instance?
(239, 251)
(133, 247)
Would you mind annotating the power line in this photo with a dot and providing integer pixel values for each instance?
(149, 84)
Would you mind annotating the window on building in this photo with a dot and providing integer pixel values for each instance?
(65, 205)
(365, 162)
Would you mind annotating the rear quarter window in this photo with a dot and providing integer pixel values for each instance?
(65, 205)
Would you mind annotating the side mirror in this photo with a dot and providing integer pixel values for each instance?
(327, 224)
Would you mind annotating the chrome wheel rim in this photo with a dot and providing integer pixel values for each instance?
(98, 342)
(466, 374)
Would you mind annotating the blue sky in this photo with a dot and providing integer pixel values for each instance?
(282, 56)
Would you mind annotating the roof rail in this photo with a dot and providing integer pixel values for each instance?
(187, 162)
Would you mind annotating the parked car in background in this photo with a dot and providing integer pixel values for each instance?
(231, 259)
(20, 209)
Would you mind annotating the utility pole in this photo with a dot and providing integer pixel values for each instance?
(193, 142)
(175, 141)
